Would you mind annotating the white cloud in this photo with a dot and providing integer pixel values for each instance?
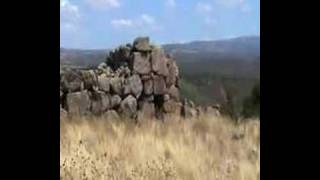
(104, 4)
(143, 20)
(204, 7)
(206, 12)
(170, 3)
(68, 11)
(69, 16)
(147, 19)
(121, 23)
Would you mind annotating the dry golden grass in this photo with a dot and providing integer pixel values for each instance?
(202, 149)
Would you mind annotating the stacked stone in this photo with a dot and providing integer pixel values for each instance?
(137, 80)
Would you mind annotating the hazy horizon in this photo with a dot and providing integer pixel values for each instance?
(221, 39)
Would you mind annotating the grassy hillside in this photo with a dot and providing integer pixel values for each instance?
(203, 149)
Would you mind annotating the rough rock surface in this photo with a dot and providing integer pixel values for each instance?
(78, 103)
(159, 85)
(133, 85)
(104, 83)
(159, 62)
(141, 63)
(141, 44)
(128, 107)
(137, 80)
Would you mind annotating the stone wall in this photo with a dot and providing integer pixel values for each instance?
(137, 80)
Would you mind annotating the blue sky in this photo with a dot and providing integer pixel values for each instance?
(91, 24)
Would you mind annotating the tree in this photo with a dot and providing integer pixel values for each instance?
(251, 105)
(229, 103)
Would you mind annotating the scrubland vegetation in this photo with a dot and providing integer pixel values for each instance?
(207, 148)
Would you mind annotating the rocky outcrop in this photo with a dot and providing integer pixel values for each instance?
(137, 80)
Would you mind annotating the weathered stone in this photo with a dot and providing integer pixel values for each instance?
(148, 87)
(174, 93)
(159, 62)
(116, 85)
(133, 85)
(141, 63)
(123, 72)
(166, 97)
(159, 85)
(102, 66)
(141, 44)
(89, 79)
(78, 103)
(188, 109)
(145, 77)
(71, 81)
(142, 74)
(111, 115)
(128, 107)
(173, 73)
(115, 101)
(100, 102)
(104, 83)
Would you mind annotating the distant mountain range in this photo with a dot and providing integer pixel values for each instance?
(245, 48)
(236, 49)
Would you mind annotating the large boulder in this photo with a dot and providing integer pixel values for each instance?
(141, 63)
(148, 86)
(159, 62)
(100, 102)
(189, 110)
(141, 44)
(89, 79)
(173, 91)
(103, 68)
(128, 107)
(115, 101)
(133, 85)
(116, 84)
(71, 81)
(159, 85)
(104, 83)
(78, 103)
(173, 73)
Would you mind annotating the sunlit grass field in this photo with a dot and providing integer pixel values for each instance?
(207, 148)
